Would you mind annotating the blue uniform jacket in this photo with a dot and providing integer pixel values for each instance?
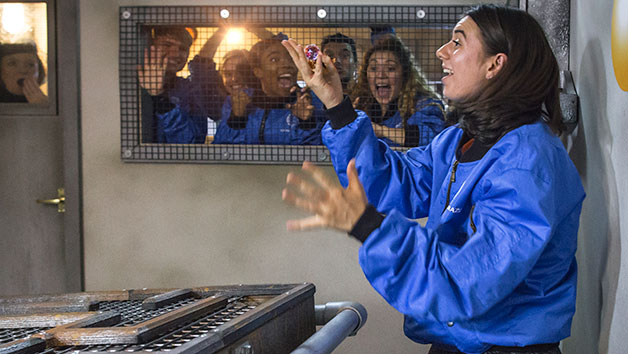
(279, 125)
(181, 115)
(428, 119)
(496, 266)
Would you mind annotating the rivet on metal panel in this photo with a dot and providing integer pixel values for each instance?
(420, 14)
(226, 154)
(126, 15)
(321, 13)
(128, 153)
(224, 13)
(323, 156)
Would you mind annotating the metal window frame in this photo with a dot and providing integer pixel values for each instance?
(133, 18)
(553, 16)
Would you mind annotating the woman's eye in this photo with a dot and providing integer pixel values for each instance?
(392, 69)
(456, 42)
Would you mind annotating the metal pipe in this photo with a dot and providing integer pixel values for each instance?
(340, 319)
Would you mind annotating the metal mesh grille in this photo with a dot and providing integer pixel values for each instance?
(265, 130)
(132, 312)
(12, 334)
(236, 306)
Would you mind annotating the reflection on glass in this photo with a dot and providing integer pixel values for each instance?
(238, 85)
(23, 52)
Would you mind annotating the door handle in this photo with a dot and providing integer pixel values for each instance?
(59, 201)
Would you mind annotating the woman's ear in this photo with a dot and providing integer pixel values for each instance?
(257, 71)
(498, 61)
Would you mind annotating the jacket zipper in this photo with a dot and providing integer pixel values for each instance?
(452, 179)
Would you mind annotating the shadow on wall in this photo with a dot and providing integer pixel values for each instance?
(599, 247)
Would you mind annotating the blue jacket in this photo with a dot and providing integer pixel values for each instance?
(180, 115)
(426, 122)
(279, 126)
(495, 266)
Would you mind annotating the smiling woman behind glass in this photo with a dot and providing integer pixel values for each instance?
(21, 74)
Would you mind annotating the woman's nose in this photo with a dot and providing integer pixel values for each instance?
(441, 52)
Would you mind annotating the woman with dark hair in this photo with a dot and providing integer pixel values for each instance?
(392, 92)
(494, 268)
(21, 73)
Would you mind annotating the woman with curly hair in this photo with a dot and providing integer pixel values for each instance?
(392, 92)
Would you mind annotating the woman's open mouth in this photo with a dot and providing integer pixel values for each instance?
(286, 80)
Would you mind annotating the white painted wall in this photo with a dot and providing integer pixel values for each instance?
(182, 225)
(600, 151)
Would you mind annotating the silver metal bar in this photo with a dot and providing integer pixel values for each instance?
(340, 320)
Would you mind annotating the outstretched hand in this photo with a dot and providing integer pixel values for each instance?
(332, 205)
(151, 75)
(323, 80)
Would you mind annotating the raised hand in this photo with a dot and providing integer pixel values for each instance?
(332, 205)
(152, 73)
(323, 80)
(303, 107)
(239, 101)
(33, 92)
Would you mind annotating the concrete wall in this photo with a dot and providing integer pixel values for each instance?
(599, 151)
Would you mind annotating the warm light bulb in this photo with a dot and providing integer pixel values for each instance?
(13, 18)
(619, 42)
(235, 36)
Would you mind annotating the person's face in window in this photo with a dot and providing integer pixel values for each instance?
(15, 68)
(231, 77)
(344, 61)
(384, 76)
(174, 50)
(465, 62)
(276, 72)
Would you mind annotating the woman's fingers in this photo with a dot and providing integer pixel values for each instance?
(312, 222)
(298, 57)
(318, 175)
(332, 206)
(306, 204)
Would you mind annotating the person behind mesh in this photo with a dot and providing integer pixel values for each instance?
(22, 73)
(392, 92)
(345, 56)
(277, 111)
(238, 81)
(175, 109)
(381, 32)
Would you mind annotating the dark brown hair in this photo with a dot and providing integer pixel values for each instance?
(413, 84)
(525, 89)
